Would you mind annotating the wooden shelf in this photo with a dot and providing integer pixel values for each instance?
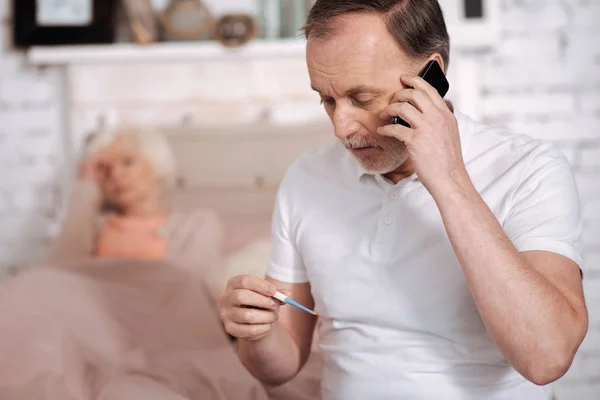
(466, 36)
(164, 52)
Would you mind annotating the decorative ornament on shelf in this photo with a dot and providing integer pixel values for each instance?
(143, 25)
(293, 17)
(270, 19)
(282, 18)
(187, 20)
(235, 30)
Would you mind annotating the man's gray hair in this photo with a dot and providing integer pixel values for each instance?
(418, 26)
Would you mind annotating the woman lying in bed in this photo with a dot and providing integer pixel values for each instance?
(125, 308)
(117, 208)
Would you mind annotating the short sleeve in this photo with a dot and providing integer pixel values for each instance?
(286, 263)
(545, 212)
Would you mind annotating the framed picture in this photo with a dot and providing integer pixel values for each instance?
(472, 23)
(62, 22)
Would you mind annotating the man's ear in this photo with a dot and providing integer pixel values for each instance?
(437, 57)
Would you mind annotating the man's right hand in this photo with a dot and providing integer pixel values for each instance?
(249, 313)
(248, 309)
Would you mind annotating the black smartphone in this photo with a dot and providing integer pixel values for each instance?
(434, 75)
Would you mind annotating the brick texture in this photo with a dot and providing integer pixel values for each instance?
(542, 78)
(30, 154)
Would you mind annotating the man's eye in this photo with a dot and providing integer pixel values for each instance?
(362, 102)
(327, 101)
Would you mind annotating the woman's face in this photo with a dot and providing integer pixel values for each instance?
(130, 178)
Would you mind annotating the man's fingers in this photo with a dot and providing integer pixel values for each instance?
(252, 283)
(399, 132)
(419, 99)
(243, 331)
(406, 111)
(252, 316)
(245, 297)
(419, 83)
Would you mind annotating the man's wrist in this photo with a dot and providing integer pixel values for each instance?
(259, 344)
(456, 185)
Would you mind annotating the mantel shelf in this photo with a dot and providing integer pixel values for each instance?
(466, 37)
(164, 52)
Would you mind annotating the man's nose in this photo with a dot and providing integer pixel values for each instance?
(344, 123)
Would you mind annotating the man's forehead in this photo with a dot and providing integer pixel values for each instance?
(350, 90)
(352, 77)
(356, 35)
(360, 47)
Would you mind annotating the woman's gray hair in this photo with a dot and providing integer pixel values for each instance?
(151, 142)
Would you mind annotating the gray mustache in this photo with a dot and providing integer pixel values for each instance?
(358, 145)
(358, 142)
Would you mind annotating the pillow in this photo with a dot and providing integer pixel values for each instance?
(240, 232)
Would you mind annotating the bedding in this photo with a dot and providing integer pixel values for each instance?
(122, 329)
(108, 329)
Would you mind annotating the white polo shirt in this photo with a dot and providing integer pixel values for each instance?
(397, 318)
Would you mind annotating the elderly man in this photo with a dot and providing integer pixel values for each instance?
(442, 258)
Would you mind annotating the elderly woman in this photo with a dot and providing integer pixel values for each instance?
(125, 308)
(117, 208)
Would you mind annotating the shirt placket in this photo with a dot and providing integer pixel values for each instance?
(389, 225)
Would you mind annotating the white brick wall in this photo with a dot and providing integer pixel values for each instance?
(543, 79)
(30, 154)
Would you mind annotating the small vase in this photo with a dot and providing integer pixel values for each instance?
(293, 17)
(270, 19)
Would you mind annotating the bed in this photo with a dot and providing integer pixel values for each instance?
(236, 172)
(122, 329)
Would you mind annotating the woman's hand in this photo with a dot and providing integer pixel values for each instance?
(96, 168)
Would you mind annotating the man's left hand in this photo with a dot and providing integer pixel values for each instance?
(433, 140)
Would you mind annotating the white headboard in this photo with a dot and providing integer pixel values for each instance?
(236, 171)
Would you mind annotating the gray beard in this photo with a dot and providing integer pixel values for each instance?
(395, 155)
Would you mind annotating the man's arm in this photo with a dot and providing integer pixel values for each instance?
(531, 303)
(275, 353)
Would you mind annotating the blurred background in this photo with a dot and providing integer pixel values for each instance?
(229, 76)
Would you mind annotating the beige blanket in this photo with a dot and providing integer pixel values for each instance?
(120, 329)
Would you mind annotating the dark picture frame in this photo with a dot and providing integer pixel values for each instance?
(473, 24)
(27, 32)
(474, 9)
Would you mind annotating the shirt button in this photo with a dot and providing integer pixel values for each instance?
(389, 220)
(394, 196)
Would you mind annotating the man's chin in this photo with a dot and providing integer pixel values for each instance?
(374, 168)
